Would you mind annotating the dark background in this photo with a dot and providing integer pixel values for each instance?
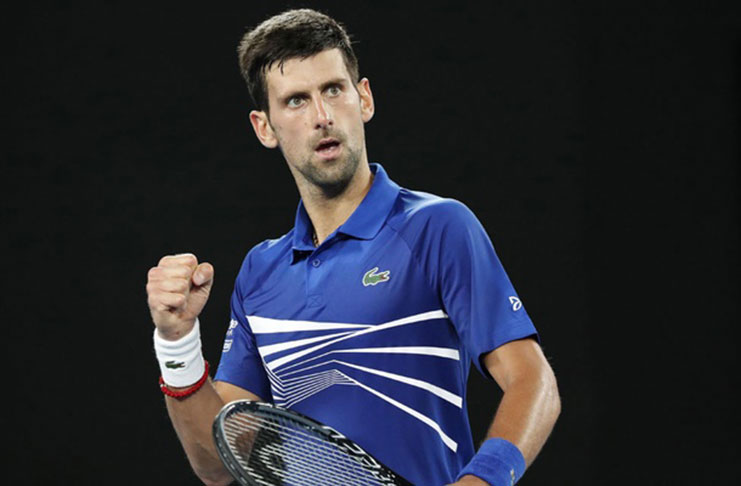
(599, 145)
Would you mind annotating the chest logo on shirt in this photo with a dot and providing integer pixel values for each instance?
(373, 278)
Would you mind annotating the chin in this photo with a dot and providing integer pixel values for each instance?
(332, 176)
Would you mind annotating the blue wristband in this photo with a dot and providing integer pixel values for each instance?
(498, 462)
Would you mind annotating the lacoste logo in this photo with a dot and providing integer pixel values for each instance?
(173, 365)
(516, 304)
(373, 278)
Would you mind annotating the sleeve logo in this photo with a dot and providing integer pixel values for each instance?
(232, 325)
(516, 304)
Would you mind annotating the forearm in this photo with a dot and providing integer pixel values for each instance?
(525, 416)
(192, 419)
(527, 413)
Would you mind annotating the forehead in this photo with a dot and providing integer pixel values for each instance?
(304, 74)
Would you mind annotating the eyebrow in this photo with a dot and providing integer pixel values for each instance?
(322, 87)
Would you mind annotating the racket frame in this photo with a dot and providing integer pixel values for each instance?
(384, 475)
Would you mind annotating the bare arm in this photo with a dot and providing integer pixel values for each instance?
(530, 404)
(192, 419)
(177, 289)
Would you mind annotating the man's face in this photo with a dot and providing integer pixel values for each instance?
(316, 117)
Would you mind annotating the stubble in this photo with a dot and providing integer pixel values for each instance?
(331, 178)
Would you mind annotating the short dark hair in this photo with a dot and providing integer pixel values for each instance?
(300, 33)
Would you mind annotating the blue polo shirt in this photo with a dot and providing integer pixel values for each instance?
(373, 332)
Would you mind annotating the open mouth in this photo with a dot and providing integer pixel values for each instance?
(327, 145)
(328, 148)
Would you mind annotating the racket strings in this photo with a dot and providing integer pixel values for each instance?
(302, 471)
(303, 467)
(320, 476)
(270, 424)
(291, 454)
(316, 463)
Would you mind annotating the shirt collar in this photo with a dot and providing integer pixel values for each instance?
(364, 223)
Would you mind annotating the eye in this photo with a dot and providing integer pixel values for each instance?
(334, 90)
(294, 101)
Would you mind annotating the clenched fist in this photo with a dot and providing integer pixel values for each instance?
(177, 289)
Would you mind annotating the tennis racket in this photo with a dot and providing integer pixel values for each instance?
(264, 445)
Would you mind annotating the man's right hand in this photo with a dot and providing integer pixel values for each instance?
(177, 289)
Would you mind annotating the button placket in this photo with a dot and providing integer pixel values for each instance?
(313, 281)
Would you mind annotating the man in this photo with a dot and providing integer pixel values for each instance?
(367, 314)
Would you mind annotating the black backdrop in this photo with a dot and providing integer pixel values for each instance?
(598, 145)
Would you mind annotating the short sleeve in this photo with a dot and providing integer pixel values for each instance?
(475, 290)
(240, 363)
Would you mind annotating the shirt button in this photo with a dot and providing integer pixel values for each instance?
(316, 262)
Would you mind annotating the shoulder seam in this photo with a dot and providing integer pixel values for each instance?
(417, 261)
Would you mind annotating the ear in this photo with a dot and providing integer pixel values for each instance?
(367, 106)
(263, 129)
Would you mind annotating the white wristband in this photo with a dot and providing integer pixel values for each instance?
(181, 361)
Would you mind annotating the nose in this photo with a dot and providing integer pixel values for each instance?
(323, 114)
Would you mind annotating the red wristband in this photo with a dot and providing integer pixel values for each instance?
(188, 391)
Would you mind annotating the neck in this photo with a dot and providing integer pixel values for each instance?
(327, 214)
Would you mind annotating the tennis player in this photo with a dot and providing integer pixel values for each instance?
(367, 314)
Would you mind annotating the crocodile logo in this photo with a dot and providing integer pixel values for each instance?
(173, 365)
(373, 278)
